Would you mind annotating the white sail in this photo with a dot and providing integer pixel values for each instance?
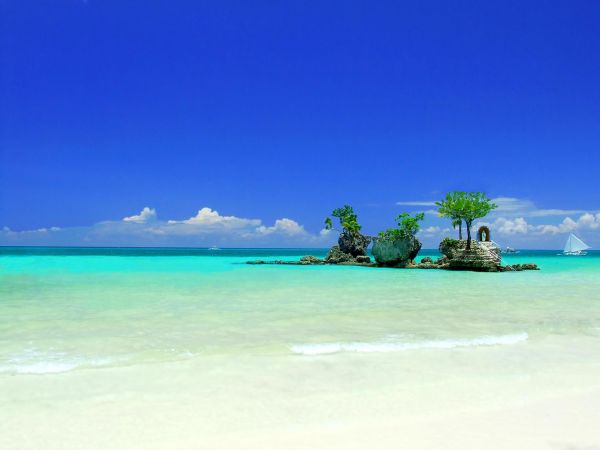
(574, 244)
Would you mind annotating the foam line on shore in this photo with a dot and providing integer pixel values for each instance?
(388, 347)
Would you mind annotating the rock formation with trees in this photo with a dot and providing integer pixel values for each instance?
(398, 247)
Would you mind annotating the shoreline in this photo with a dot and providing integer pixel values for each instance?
(218, 403)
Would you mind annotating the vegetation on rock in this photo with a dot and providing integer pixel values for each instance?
(399, 246)
(453, 207)
(351, 241)
(348, 219)
(408, 227)
(450, 243)
(465, 207)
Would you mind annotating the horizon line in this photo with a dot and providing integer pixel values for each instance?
(220, 248)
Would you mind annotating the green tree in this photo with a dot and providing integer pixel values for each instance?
(465, 207)
(458, 223)
(408, 226)
(453, 207)
(478, 205)
(348, 219)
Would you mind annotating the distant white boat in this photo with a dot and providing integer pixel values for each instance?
(214, 248)
(504, 250)
(575, 246)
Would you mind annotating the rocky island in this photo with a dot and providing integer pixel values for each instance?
(398, 247)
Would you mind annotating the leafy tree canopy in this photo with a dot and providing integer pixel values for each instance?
(348, 219)
(453, 206)
(462, 206)
(478, 205)
(408, 226)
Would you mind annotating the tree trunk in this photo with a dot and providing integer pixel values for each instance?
(460, 230)
(468, 235)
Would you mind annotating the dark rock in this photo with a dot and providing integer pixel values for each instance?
(427, 259)
(426, 265)
(337, 256)
(526, 266)
(354, 244)
(309, 259)
(442, 260)
(395, 253)
(363, 259)
(481, 257)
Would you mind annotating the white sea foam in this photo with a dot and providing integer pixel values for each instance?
(398, 346)
(38, 363)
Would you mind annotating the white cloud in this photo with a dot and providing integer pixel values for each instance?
(207, 227)
(434, 231)
(211, 218)
(416, 203)
(517, 207)
(7, 231)
(511, 226)
(590, 221)
(519, 225)
(285, 226)
(566, 226)
(325, 232)
(146, 215)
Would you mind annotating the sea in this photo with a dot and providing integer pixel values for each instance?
(105, 341)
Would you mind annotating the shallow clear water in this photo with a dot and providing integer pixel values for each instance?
(69, 309)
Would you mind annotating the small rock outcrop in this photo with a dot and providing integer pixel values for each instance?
(363, 259)
(481, 257)
(353, 244)
(426, 260)
(519, 267)
(337, 256)
(442, 261)
(397, 252)
(309, 259)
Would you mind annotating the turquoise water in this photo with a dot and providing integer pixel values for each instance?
(68, 309)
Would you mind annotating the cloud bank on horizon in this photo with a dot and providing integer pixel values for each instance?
(206, 228)
(515, 222)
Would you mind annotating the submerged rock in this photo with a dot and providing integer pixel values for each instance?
(395, 253)
(426, 265)
(309, 259)
(519, 267)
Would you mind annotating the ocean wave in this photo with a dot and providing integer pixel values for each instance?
(398, 346)
(38, 363)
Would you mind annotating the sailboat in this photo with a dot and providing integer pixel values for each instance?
(575, 246)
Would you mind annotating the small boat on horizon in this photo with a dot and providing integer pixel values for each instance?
(214, 247)
(575, 246)
(510, 250)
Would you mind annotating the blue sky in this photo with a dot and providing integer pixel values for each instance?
(274, 113)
